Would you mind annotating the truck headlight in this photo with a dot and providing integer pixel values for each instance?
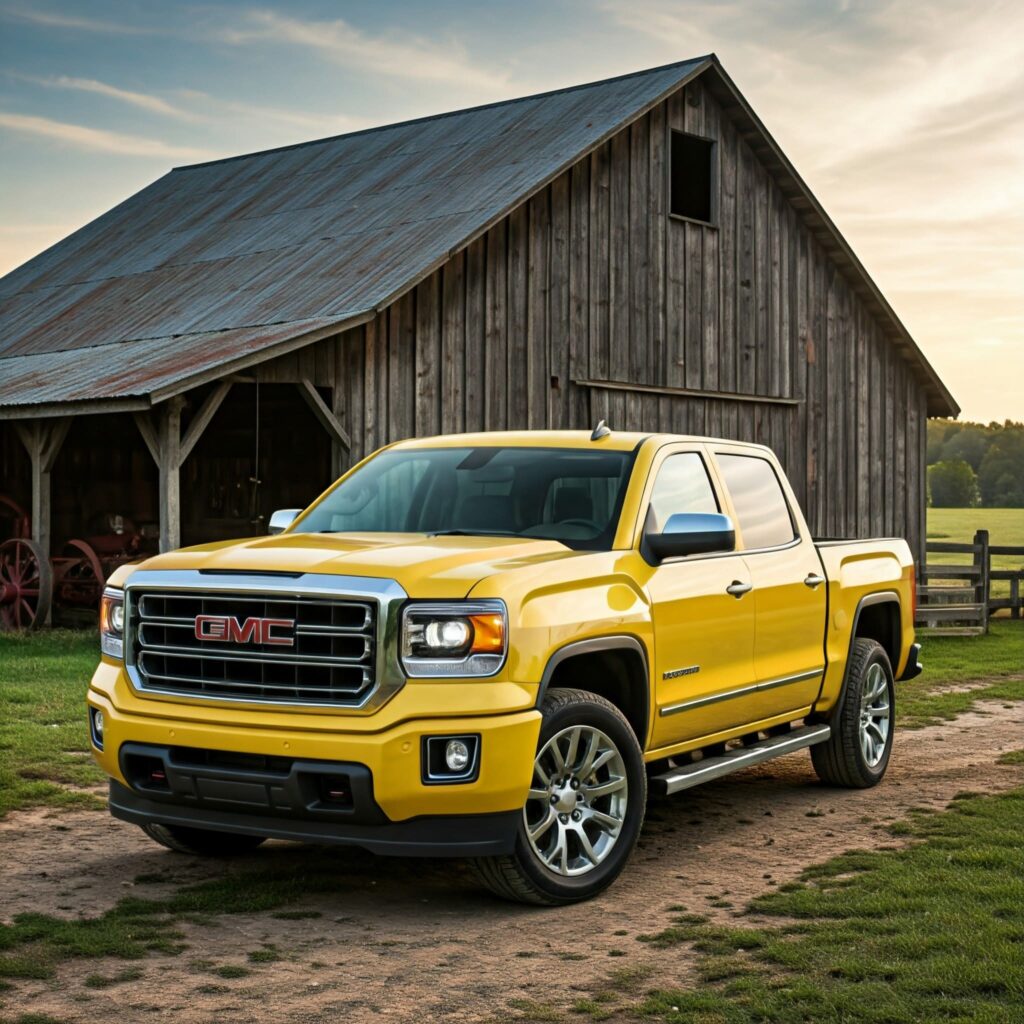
(454, 639)
(112, 622)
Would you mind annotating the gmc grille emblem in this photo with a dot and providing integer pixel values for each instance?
(228, 629)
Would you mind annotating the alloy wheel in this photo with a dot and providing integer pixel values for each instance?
(874, 715)
(577, 802)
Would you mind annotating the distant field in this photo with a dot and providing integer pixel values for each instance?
(1004, 525)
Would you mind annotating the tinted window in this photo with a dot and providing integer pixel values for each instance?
(682, 486)
(569, 495)
(761, 508)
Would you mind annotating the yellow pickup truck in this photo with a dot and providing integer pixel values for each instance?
(492, 646)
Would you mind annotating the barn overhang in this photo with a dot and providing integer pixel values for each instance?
(135, 375)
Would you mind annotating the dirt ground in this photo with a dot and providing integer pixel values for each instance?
(420, 941)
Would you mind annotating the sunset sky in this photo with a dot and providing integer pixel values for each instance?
(905, 118)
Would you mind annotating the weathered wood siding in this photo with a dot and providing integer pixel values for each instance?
(592, 280)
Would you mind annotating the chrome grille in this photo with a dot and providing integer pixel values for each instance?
(332, 661)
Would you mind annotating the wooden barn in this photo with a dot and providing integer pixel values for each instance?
(639, 249)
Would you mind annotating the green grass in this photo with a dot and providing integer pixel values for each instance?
(44, 743)
(1005, 526)
(934, 931)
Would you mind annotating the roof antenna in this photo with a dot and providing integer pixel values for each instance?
(601, 431)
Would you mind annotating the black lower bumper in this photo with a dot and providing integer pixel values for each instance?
(913, 668)
(282, 798)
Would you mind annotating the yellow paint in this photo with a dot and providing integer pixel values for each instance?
(679, 611)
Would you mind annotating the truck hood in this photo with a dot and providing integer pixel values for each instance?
(424, 566)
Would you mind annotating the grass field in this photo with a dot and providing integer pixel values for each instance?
(958, 525)
(932, 931)
(44, 745)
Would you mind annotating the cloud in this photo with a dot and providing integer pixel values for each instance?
(98, 140)
(331, 124)
(407, 57)
(54, 19)
(144, 101)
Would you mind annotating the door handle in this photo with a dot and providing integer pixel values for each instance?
(738, 589)
(813, 580)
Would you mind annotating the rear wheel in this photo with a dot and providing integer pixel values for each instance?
(584, 810)
(857, 754)
(201, 842)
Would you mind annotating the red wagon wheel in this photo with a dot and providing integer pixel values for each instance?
(79, 575)
(25, 584)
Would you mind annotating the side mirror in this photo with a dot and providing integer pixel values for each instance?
(282, 519)
(690, 533)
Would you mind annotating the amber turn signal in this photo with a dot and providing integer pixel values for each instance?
(488, 634)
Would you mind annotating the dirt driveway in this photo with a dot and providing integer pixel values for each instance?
(408, 940)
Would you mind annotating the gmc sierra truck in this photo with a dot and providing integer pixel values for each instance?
(492, 646)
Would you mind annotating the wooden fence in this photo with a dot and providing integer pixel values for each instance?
(956, 599)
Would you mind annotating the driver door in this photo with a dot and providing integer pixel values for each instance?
(703, 633)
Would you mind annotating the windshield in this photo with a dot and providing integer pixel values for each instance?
(561, 494)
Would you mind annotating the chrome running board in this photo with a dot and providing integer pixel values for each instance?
(710, 768)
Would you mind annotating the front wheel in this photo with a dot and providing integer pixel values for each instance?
(584, 810)
(858, 751)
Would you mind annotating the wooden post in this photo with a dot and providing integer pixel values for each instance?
(42, 440)
(983, 561)
(169, 440)
(169, 450)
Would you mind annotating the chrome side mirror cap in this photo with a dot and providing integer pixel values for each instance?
(691, 533)
(282, 519)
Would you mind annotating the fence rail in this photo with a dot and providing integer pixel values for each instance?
(956, 598)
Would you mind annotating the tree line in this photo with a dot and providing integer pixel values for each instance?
(975, 464)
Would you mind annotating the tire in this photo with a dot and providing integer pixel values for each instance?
(615, 792)
(201, 842)
(857, 754)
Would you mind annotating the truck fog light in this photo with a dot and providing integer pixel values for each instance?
(96, 721)
(450, 759)
(456, 756)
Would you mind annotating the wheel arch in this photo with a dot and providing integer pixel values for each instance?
(876, 617)
(625, 679)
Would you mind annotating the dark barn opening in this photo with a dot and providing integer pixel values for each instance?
(692, 193)
(222, 495)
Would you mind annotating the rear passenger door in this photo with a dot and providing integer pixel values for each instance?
(789, 592)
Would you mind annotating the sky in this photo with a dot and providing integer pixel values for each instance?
(905, 118)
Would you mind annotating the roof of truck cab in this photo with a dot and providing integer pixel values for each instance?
(617, 440)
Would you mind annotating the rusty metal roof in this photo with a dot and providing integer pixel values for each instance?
(222, 262)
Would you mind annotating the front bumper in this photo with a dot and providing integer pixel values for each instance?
(478, 835)
(384, 765)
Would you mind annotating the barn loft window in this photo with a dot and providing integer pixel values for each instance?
(692, 191)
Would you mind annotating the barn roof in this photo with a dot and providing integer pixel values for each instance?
(221, 264)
